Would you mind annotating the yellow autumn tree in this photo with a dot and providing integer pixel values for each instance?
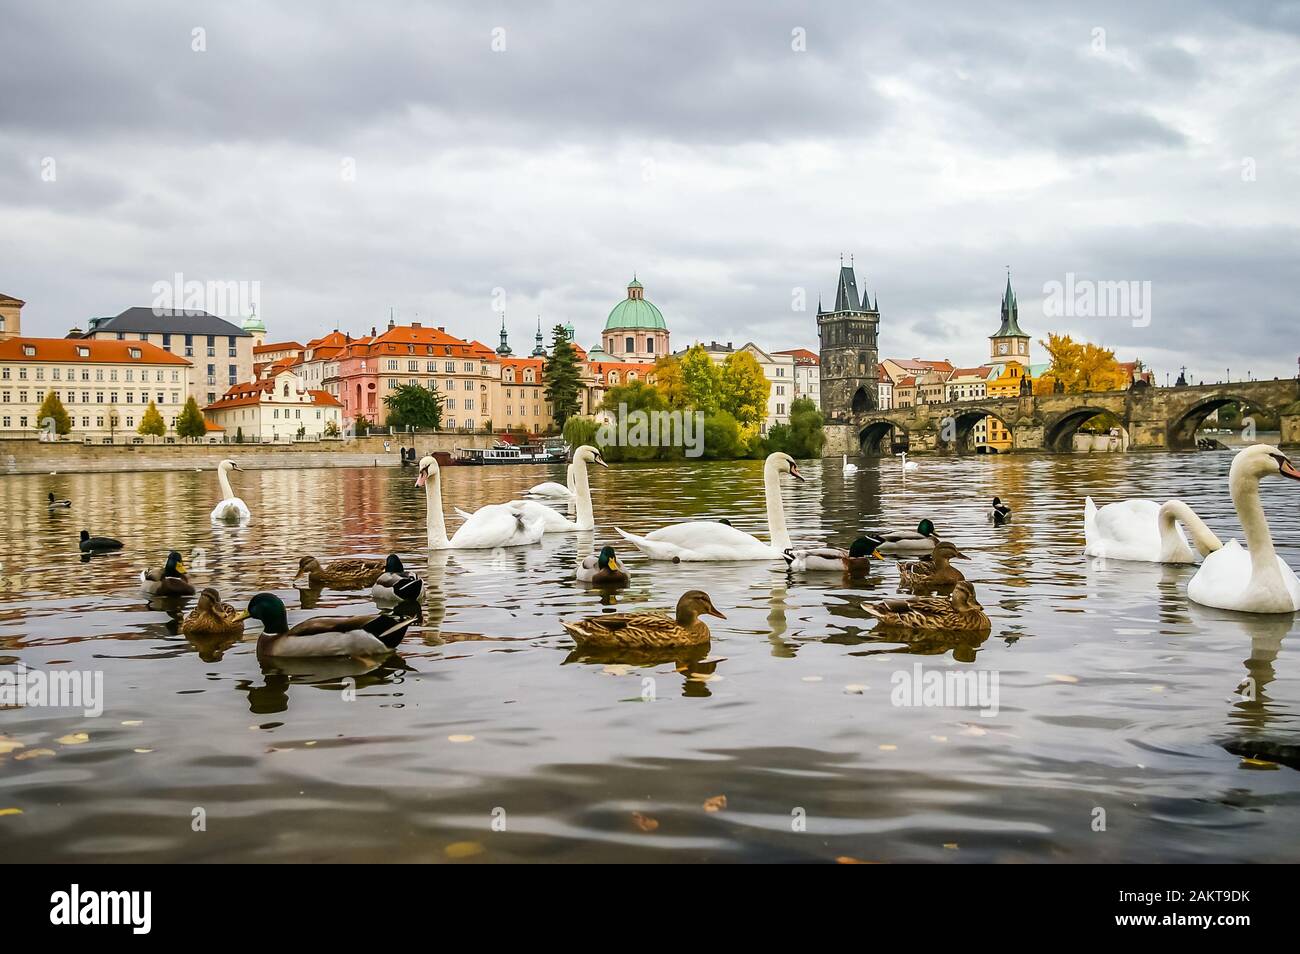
(744, 389)
(1079, 366)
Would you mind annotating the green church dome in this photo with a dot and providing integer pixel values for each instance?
(635, 312)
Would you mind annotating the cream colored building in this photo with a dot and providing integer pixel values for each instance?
(220, 351)
(104, 385)
(281, 408)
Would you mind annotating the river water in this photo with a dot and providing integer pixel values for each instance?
(487, 738)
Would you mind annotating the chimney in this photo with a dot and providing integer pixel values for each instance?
(373, 332)
(441, 328)
(415, 324)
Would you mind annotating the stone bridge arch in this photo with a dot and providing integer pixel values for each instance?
(876, 436)
(964, 420)
(1186, 421)
(1059, 430)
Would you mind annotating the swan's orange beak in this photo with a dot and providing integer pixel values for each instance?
(419, 480)
(794, 472)
(1288, 469)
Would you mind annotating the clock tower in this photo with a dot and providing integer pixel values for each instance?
(1009, 344)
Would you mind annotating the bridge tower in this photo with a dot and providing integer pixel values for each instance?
(849, 350)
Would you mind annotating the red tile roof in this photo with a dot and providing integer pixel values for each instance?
(278, 346)
(801, 356)
(98, 351)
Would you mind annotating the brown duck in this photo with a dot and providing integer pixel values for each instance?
(211, 617)
(935, 571)
(353, 574)
(648, 630)
(960, 611)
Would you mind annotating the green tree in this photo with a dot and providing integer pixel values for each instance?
(624, 403)
(331, 429)
(52, 408)
(580, 430)
(744, 389)
(562, 377)
(413, 406)
(190, 424)
(701, 381)
(722, 439)
(804, 436)
(152, 423)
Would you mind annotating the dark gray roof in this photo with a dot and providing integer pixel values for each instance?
(166, 321)
(846, 295)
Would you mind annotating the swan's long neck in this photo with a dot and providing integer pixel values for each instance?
(568, 478)
(226, 492)
(1202, 536)
(1263, 558)
(775, 509)
(582, 490)
(433, 521)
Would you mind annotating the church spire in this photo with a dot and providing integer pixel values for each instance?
(503, 349)
(539, 349)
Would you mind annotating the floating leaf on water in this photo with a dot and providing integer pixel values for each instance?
(9, 745)
(974, 730)
(73, 738)
(617, 669)
(938, 738)
(463, 849)
(32, 754)
(1155, 688)
(951, 845)
(142, 751)
(854, 689)
(1245, 763)
(460, 738)
(11, 811)
(888, 747)
(811, 679)
(133, 722)
(644, 822)
(1057, 677)
(715, 804)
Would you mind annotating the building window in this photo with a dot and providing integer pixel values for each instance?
(631, 344)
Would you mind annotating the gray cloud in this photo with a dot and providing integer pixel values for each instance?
(689, 143)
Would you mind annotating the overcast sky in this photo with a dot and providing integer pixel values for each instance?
(692, 143)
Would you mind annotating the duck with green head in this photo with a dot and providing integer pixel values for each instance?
(603, 569)
(396, 584)
(856, 560)
(168, 581)
(918, 541)
(367, 636)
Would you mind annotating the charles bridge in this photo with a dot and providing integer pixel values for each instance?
(1155, 418)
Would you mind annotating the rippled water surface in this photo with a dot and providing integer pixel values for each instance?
(1115, 693)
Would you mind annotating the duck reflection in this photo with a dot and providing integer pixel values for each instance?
(332, 674)
(692, 663)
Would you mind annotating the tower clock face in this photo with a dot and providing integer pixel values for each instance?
(1002, 347)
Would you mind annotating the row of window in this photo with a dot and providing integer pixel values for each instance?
(56, 374)
(70, 397)
(100, 421)
(431, 367)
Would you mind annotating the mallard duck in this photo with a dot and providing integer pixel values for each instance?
(920, 540)
(373, 635)
(648, 630)
(999, 513)
(353, 574)
(211, 617)
(55, 503)
(602, 569)
(395, 584)
(168, 581)
(855, 560)
(935, 571)
(960, 611)
(91, 544)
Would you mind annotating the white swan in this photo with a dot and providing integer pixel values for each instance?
(909, 465)
(1254, 579)
(710, 540)
(551, 489)
(849, 469)
(489, 528)
(231, 509)
(1145, 531)
(552, 520)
